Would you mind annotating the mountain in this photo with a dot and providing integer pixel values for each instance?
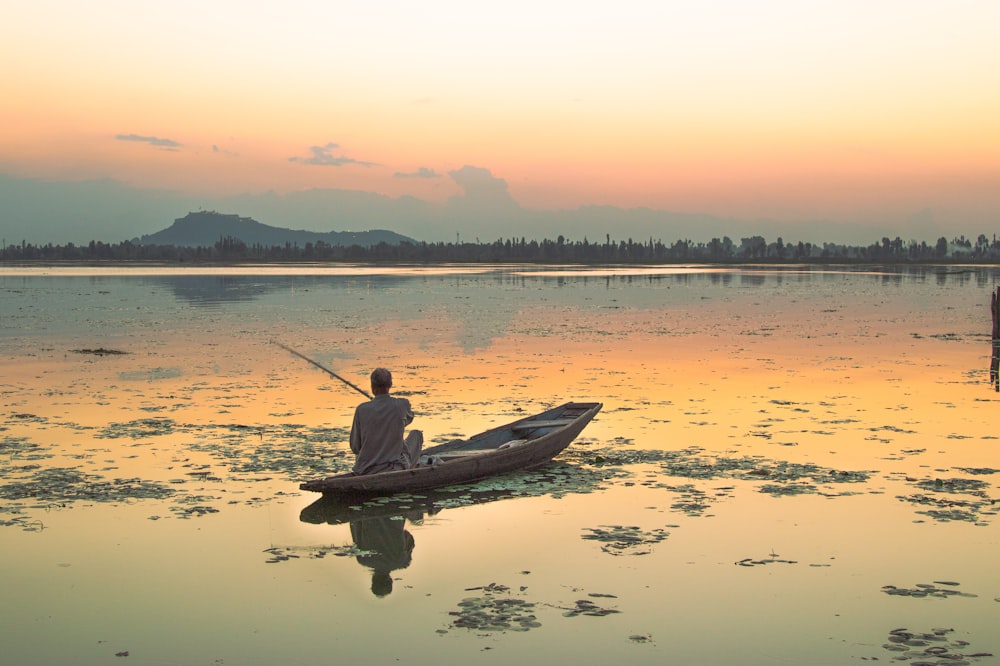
(205, 228)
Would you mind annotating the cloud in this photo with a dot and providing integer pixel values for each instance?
(151, 140)
(481, 187)
(321, 156)
(422, 172)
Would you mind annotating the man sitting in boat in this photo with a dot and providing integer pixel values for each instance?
(377, 431)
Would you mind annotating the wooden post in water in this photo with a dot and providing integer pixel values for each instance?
(995, 358)
(994, 303)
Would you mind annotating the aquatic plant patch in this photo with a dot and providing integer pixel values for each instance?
(954, 485)
(693, 463)
(588, 607)
(921, 590)
(293, 451)
(625, 540)
(193, 506)
(494, 611)
(287, 553)
(936, 647)
(947, 509)
(978, 470)
(20, 448)
(497, 610)
(773, 558)
(692, 502)
(139, 429)
(778, 490)
(60, 485)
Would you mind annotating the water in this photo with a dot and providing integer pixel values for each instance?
(779, 450)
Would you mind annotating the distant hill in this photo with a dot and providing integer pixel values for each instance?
(204, 229)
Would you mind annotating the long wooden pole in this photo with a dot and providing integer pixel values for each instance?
(323, 368)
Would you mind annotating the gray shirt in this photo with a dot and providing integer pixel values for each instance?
(377, 434)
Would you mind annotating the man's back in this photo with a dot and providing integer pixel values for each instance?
(377, 434)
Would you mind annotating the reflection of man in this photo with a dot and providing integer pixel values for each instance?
(377, 431)
(389, 546)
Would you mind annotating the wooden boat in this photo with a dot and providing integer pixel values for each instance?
(522, 444)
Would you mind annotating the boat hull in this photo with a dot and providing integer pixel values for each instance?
(522, 444)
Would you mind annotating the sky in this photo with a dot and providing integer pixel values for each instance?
(851, 118)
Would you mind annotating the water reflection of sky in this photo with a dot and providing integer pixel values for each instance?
(777, 448)
(482, 301)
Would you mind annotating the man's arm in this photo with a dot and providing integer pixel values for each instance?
(355, 434)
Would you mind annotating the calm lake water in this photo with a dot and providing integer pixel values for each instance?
(792, 466)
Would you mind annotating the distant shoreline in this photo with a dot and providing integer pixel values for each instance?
(964, 264)
(230, 250)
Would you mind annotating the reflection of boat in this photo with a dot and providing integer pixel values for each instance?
(554, 480)
(337, 510)
(522, 444)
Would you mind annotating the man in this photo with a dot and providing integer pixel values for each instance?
(377, 431)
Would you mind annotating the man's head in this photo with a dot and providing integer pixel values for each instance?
(381, 583)
(381, 381)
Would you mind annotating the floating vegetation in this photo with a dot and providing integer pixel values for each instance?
(970, 486)
(555, 480)
(947, 509)
(782, 477)
(921, 590)
(60, 485)
(893, 429)
(19, 519)
(497, 611)
(100, 351)
(620, 540)
(286, 553)
(693, 501)
(292, 451)
(138, 429)
(21, 448)
(693, 463)
(770, 559)
(587, 607)
(937, 648)
(192, 506)
(789, 489)
(494, 611)
(27, 418)
(978, 470)
(786, 472)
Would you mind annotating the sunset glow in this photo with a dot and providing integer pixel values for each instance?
(786, 110)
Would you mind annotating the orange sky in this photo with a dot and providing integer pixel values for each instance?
(780, 109)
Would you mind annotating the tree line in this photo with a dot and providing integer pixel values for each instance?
(517, 250)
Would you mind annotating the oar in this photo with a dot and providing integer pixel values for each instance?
(323, 368)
